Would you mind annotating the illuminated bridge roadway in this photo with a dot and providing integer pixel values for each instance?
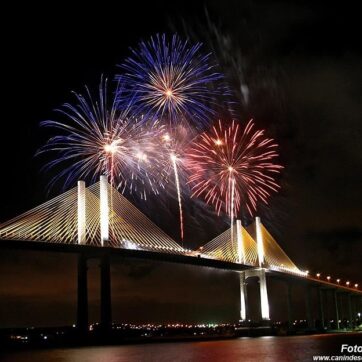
(98, 222)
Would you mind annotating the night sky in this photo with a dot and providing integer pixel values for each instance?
(300, 66)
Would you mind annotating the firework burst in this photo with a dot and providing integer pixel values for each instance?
(230, 167)
(97, 138)
(171, 79)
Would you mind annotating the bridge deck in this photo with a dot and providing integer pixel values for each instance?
(95, 251)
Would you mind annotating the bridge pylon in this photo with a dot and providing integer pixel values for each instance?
(104, 210)
(81, 213)
(260, 273)
(243, 297)
(82, 295)
(106, 300)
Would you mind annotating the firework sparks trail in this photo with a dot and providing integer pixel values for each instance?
(171, 167)
(171, 79)
(229, 167)
(177, 181)
(97, 138)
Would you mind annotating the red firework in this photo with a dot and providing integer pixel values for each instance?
(230, 167)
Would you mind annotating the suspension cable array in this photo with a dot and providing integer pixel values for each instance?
(75, 217)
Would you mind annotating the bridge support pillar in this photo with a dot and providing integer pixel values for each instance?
(242, 297)
(350, 314)
(354, 314)
(264, 302)
(289, 305)
(335, 299)
(341, 306)
(321, 306)
(308, 307)
(264, 296)
(82, 303)
(106, 305)
(356, 309)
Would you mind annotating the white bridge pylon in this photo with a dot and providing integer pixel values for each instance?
(96, 215)
(253, 246)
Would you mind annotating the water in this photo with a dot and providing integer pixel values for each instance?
(294, 348)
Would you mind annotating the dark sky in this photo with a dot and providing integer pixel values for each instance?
(301, 62)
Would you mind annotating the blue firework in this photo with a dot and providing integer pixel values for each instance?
(95, 137)
(172, 80)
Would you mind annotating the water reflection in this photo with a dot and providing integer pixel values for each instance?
(298, 348)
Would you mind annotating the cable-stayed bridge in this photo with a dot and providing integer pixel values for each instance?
(100, 216)
(97, 221)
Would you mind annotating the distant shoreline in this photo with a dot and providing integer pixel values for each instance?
(68, 337)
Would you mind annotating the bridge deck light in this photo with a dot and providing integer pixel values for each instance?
(318, 275)
(338, 280)
(347, 283)
(356, 285)
(328, 278)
